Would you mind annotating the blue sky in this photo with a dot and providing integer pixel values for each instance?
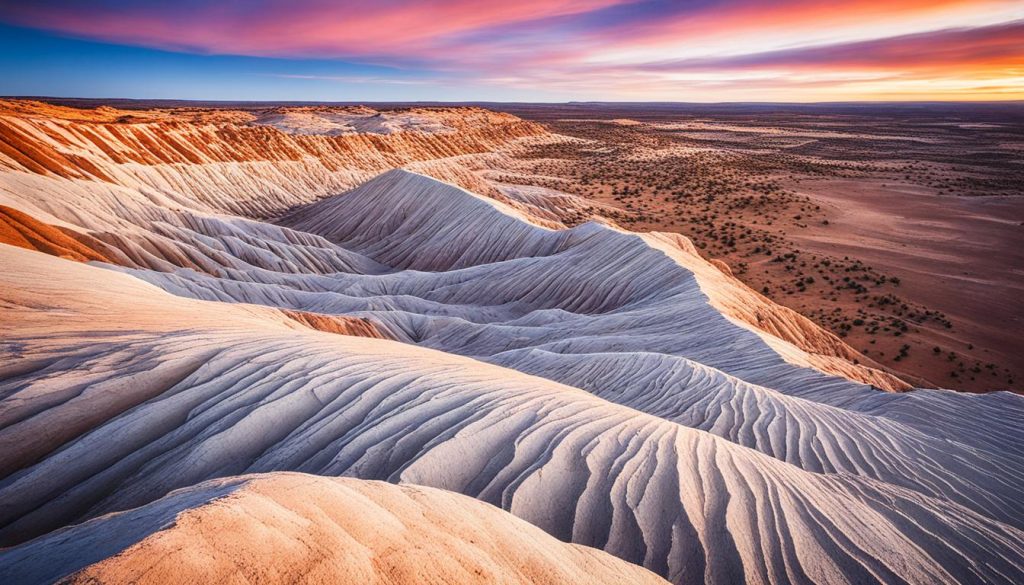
(38, 63)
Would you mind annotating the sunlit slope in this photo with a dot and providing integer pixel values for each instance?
(298, 528)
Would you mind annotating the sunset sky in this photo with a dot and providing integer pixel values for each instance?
(531, 50)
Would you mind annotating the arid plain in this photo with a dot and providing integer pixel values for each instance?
(899, 228)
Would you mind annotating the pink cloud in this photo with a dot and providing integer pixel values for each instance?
(312, 28)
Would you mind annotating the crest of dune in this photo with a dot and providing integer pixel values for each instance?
(192, 297)
(298, 528)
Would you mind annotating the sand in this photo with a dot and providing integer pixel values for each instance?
(298, 528)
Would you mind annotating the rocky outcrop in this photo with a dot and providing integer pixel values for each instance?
(23, 230)
(227, 160)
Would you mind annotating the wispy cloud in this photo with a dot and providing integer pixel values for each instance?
(594, 49)
(358, 79)
(979, 48)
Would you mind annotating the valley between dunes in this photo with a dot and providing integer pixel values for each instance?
(318, 344)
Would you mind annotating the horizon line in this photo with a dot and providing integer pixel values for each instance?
(551, 103)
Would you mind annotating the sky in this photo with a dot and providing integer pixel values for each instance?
(525, 50)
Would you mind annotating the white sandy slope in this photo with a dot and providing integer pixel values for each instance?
(636, 319)
(115, 393)
(298, 528)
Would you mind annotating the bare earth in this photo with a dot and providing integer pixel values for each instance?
(963, 256)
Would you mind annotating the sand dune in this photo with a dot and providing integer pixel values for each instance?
(297, 528)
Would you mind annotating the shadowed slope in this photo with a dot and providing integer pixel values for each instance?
(813, 436)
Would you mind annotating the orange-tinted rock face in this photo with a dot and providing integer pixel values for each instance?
(70, 143)
(22, 230)
(342, 325)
